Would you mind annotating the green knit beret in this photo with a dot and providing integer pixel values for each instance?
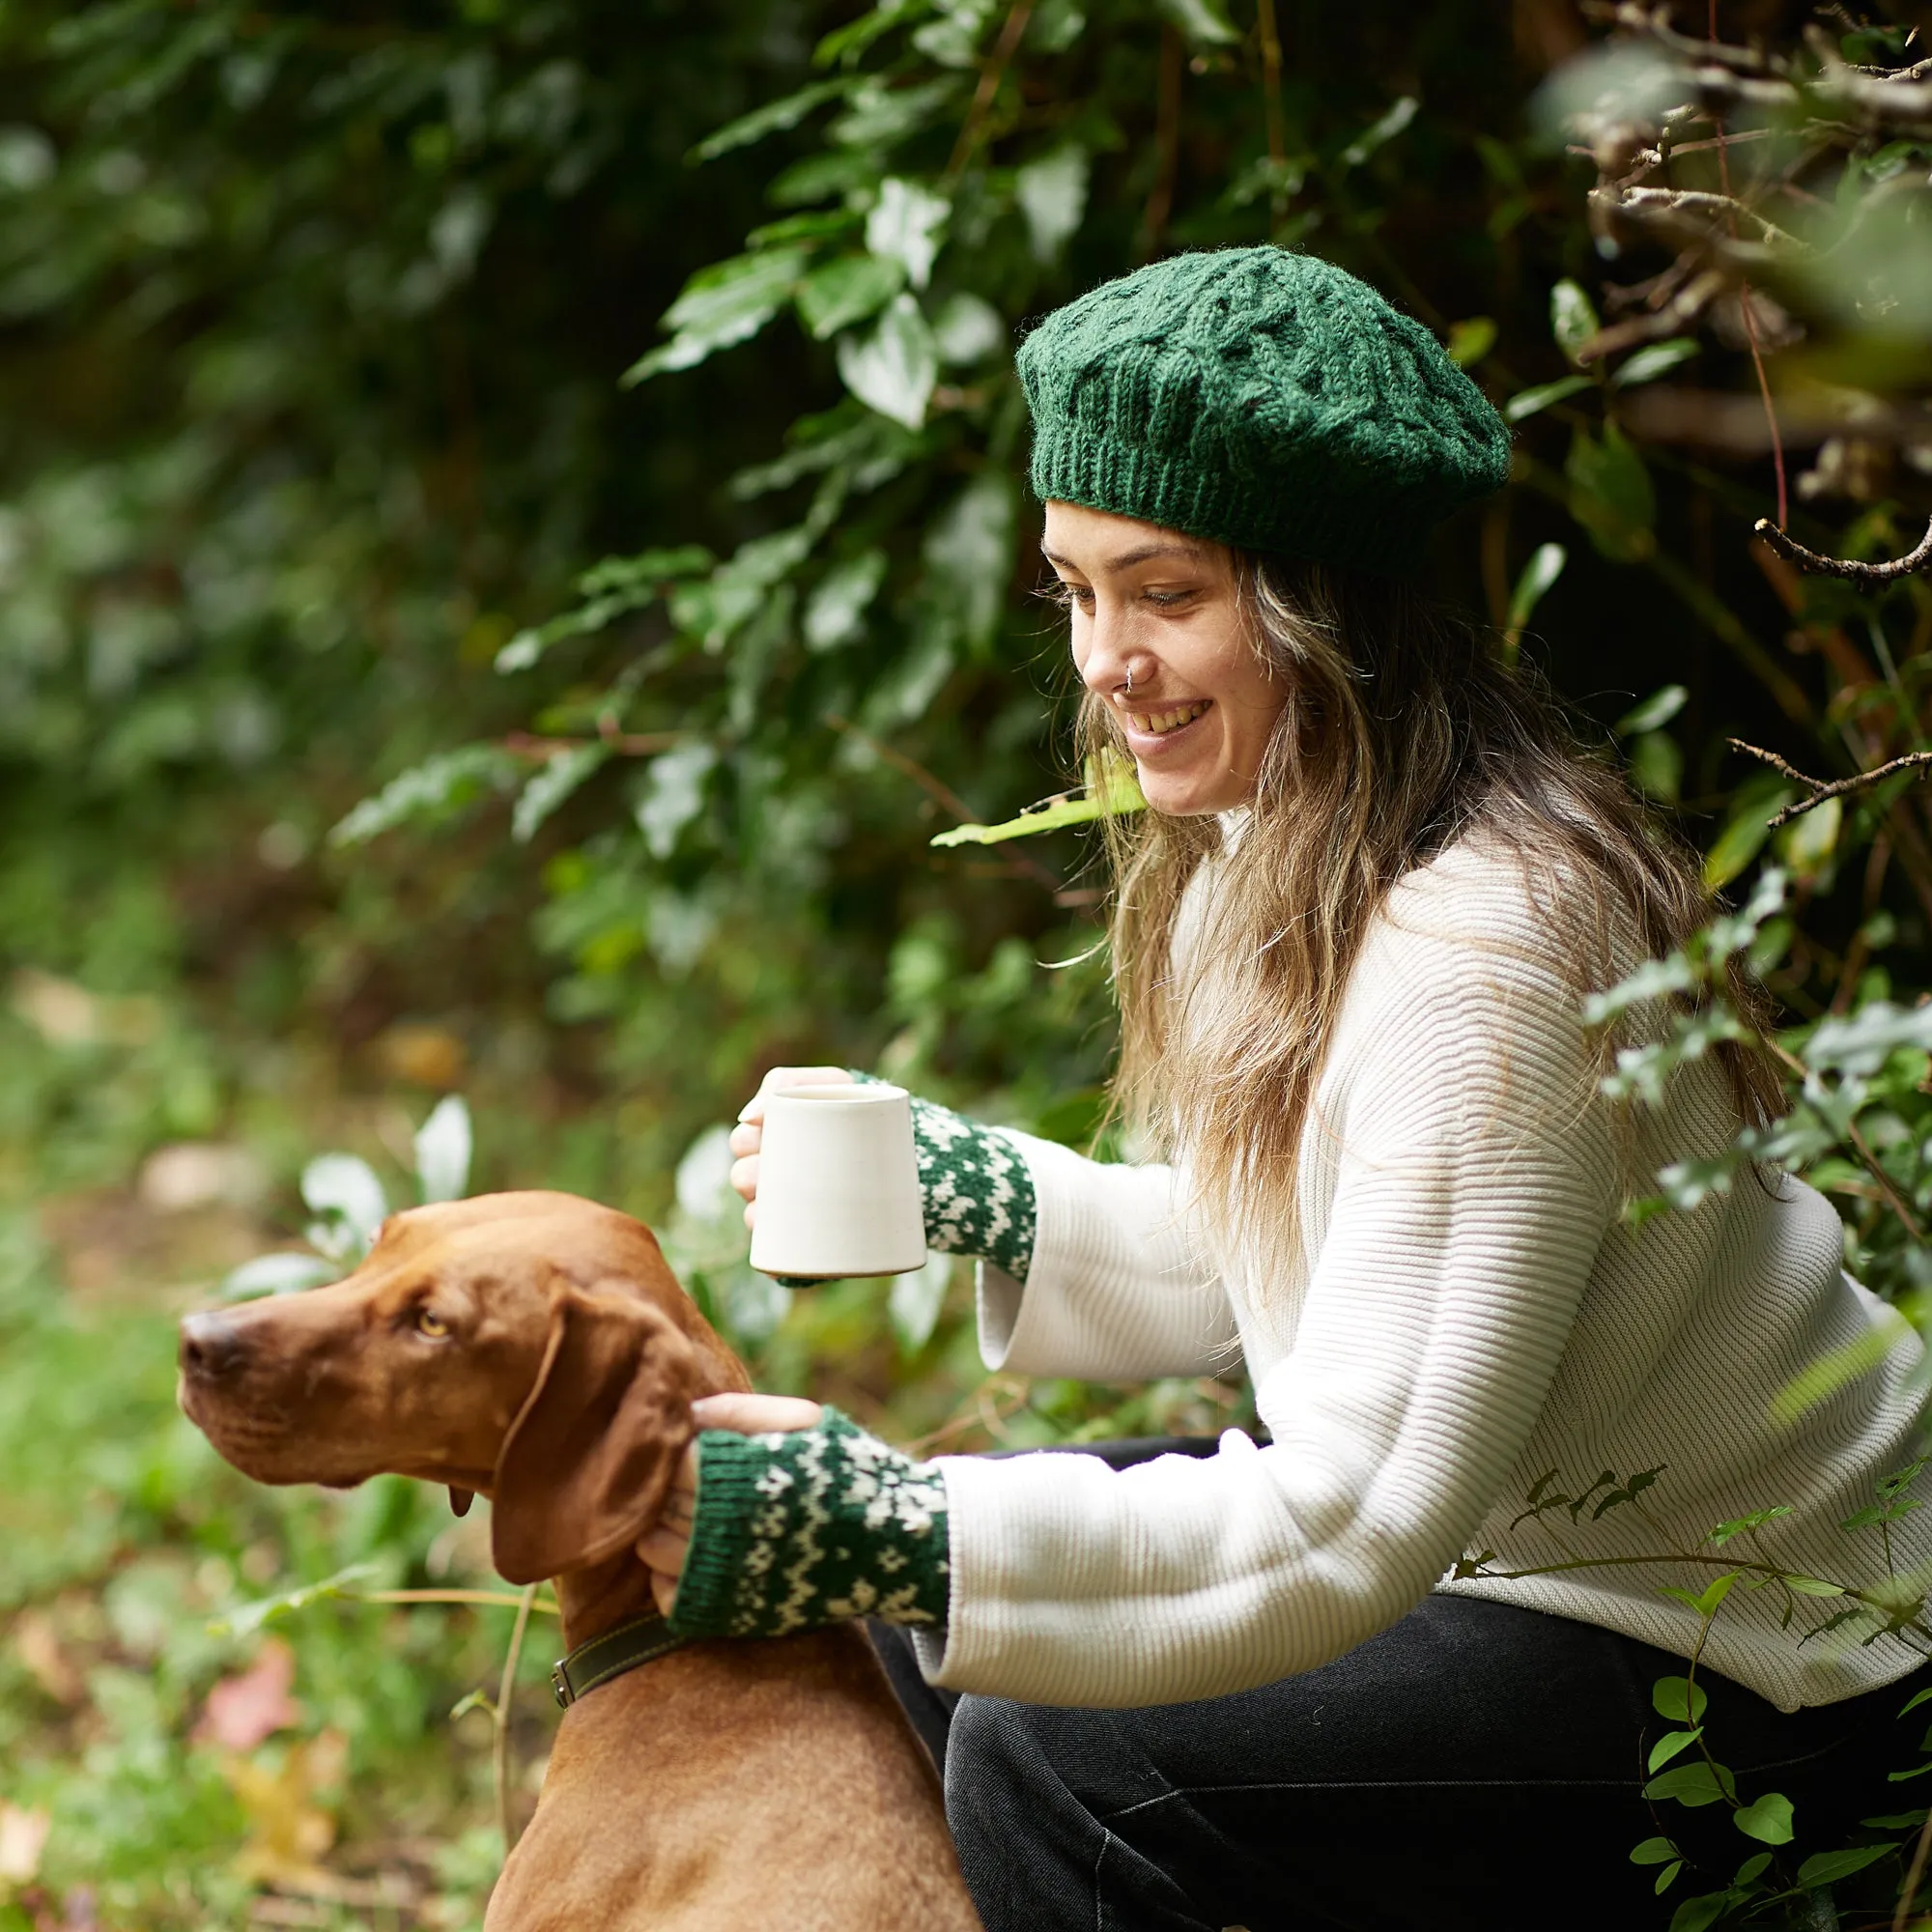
(1265, 399)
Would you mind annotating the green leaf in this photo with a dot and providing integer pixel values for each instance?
(1654, 712)
(1742, 839)
(1813, 1586)
(247, 1618)
(1667, 1877)
(721, 305)
(775, 117)
(1204, 23)
(1828, 1868)
(1752, 1869)
(342, 1191)
(1381, 131)
(1610, 494)
(892, 370)
(1470, 340)
(1912, 1703)
(1527, 403)
(1906, 1777)
(1670, 1745)
(904, 227)
(1767, 1819)
(1679, 1699)
(1696, 1915)
(1899, 1821)
(550, 784)
(1538, 574)
(1573, 317)
(1807, 843)
(281, 1273)
(834, 614)
(444, 1145)
(1653, 361)
(1821, 1380)
(846, 289)
(435, 789)
(1740, 1525)
(1654, 1852)
(1052, 196)
(1119, 795)
(1693, 1784)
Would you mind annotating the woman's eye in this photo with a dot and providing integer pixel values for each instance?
(429, 1322)
(1168, 599)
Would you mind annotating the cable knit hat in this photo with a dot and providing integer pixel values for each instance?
(1265, 399)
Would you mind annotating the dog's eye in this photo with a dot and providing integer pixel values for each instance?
(429, 1322)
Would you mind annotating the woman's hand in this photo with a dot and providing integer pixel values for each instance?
(663, 1549)
(749, 1135)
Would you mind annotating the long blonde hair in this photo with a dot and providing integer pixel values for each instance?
(1403, 731)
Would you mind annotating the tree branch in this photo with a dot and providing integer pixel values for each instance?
(1794, 552)
(1822, 790)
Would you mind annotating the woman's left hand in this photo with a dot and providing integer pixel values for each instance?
(663, 1548)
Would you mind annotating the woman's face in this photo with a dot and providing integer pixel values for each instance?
(1161, 612)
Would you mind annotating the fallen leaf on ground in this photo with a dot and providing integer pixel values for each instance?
(24, 1837)
(243, 1710)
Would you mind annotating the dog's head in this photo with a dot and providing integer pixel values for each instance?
(533, 1347)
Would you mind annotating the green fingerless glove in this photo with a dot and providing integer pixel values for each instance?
(809, 1526)
(977, 1192)
(978, 1195)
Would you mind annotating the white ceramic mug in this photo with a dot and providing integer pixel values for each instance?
(838, 1184)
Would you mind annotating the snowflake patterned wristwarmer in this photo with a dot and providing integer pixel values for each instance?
(808, 1526)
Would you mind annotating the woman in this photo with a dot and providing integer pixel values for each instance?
(1352, 937)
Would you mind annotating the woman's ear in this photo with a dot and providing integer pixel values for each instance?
(589, 1462)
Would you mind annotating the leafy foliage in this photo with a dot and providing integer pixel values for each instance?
(316, 322)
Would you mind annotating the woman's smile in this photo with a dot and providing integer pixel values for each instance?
(1160, 635)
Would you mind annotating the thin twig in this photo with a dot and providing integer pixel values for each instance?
(1846, 567)
(1277, 133)
(939, 791)
(625, 743)
(499, 1753)
(990, 75)
(496, 1598)
(1914, 1873)
(1166, 139)
(1744, 309)
(1821, 789)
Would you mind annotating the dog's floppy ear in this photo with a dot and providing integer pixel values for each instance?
(589, 1459)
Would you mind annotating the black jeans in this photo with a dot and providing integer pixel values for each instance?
(1474, 1766)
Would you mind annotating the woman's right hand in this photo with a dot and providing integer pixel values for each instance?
(747, 1136)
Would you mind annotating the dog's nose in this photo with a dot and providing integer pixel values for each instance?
(210, 1345)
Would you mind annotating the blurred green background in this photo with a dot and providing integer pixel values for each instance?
(424, 672)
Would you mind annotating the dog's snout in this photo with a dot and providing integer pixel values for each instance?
(210, 1344)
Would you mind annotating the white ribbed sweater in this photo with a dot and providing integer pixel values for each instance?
(1468, 1311)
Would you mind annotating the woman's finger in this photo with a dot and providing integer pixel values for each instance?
(663, 1549)
(746, 1138)
(744, 1177)
(753, 1414)
(782, 1077)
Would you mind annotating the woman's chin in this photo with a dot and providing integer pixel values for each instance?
(1184, 794)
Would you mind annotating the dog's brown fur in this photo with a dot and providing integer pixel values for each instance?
(732, 1784)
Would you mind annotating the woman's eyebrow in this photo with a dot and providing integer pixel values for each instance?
(1127, 559)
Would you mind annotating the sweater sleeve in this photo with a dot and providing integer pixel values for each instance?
(1117, 1290)
(1474, 1178)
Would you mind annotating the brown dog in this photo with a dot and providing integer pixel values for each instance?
(536, 1348)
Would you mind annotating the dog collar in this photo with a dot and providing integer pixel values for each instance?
(642, 1640)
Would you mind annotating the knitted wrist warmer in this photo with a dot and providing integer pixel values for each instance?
(978, 1195)
(808, 1526)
